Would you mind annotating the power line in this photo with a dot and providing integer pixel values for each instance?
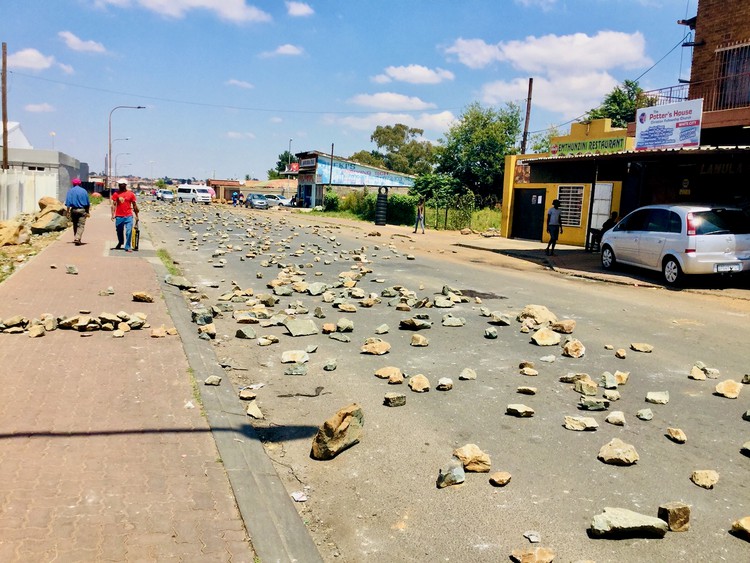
(209, 105)
(649, 69)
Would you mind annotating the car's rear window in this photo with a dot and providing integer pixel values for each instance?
(721, 221)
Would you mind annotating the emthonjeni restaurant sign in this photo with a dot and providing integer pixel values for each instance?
(588, 146)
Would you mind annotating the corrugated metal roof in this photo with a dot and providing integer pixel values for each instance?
(703, 150)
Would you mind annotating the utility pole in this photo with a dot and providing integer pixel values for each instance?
(528, 116)
(4, 87)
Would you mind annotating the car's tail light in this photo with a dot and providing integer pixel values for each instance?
(690, 224)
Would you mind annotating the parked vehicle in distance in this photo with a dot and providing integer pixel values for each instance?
(165, 195)
(274, 199)
(680, 239)
(256, 201)
(193, 194)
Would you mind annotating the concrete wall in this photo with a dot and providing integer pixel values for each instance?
(20, 191)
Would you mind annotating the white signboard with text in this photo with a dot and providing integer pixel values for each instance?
(670, 126)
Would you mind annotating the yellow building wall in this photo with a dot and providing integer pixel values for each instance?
(576, 236)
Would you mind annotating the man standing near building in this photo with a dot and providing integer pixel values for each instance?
(77, 206)
(124, 208)
(554, 226)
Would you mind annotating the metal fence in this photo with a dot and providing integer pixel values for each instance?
(20, 191)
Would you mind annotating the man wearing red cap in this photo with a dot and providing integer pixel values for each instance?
(77, 206)
(124, 208)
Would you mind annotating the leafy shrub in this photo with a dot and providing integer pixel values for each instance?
(331, 201)
(402, 209)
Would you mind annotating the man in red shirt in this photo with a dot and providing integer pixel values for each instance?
(124, 207)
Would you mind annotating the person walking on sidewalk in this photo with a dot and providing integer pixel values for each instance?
(124, 208)
(420, 215)
(554, 227)
(77, 207)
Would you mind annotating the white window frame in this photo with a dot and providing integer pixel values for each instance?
(571, 204)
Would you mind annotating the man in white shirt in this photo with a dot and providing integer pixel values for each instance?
(554, 227)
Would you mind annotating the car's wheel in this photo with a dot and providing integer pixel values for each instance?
(672, 271)
(180, 199)
(608, 257)
(193, 200)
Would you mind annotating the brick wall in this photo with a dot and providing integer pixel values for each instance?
(720, 23)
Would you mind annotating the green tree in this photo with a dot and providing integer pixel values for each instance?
(474, 149)
(401, 149)
(284, 158)
(369, 158)
(621, 104)
(160, 184)
(542, 141)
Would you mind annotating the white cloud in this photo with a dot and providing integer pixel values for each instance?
(39, 108)
(239, 135)
(67, 69)
(568, 94)
(239, 83)
(545, 5)
(577, 52)
(283, 50)
(30, 59)
(77, 44)
(390, 101)
(236, 11)
(299, 9)
(414, 74)
(474, 53)
(435, 122)
(276, 120)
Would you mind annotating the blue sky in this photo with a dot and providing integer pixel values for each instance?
(227, 83)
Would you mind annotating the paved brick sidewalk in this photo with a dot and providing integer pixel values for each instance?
(100, 460)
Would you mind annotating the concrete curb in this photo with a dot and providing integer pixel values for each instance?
(276, 530)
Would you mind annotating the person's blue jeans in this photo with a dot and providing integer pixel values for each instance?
(419, 221)
(124, 226)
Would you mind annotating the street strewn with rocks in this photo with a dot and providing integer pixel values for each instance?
(295, 296)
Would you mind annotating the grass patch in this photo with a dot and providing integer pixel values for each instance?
(196, 391)
(169, 264)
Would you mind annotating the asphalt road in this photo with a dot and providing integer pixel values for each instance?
(378, 501)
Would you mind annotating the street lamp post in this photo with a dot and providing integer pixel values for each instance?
(109, 138)
(116, 157)
(289, 166)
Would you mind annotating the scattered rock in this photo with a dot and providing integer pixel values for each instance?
(245, 333)
(705, 478)
(573, 348)
(330, 365)
(642, 347)
(419, 384)
(490, 333)
(253, 411)
(294, 357)
(382, 329)
(617, 452)
(524, 390)
(374, 346)
(741, 528)
(296, 369)
(71, 269)
(419, 341)
(539, 314)
(729, 389)
(532, 555)
(676, 435)
(467, 374)
(343, 430)
(616, 417)
(593, 404)
(444, 384)
(657, 397)
(676, 515)
(473, 458)
(500, 478)
(580, 423)
(565, 326)
(212, 380)
(142, 297)
(394, 400)
(545, 337)
(645, 414)
(37, 331)
(301, 327)
(451, 474)
(624, 523)
(519, 410)
(586, 386)
(621, 353)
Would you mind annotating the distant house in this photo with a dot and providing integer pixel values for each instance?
(33, 174)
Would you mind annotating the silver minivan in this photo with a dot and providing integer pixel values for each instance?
(680, 239)
(193, 194)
